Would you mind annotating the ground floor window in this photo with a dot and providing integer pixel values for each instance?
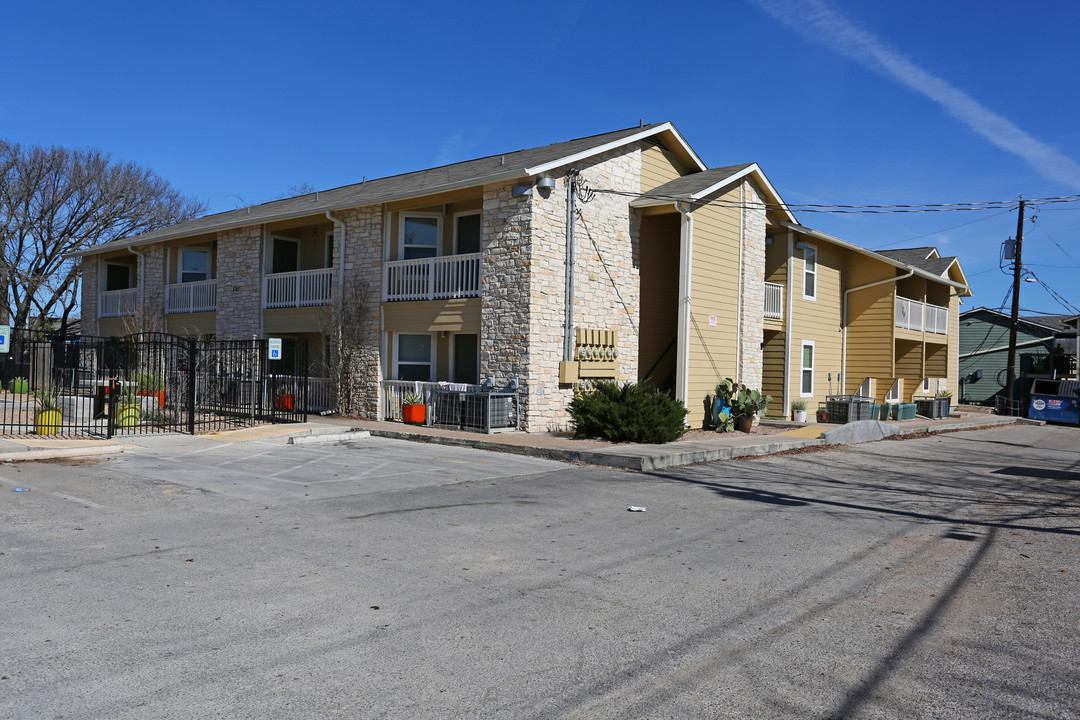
(806, 388)
(894, 393)
(413, 357)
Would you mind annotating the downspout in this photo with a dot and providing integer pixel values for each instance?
(686, 237)
(568, 321)
(843, 341)
(738, 310)
(789, 290)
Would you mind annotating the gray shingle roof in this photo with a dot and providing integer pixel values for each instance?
(688, 185)
(422, 182)
(918, 257)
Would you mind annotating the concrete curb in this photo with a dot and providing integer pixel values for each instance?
(51, 453)
(315, 438)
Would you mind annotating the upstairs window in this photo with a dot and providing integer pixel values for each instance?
(810, 272)
(117, 276)
(420, 236)
(467, 233)
(194, 265)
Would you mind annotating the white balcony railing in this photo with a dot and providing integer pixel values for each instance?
(774, 301)
(191, 297)
(117, 303)
(915, 315)
(297, 289)
(453, 276)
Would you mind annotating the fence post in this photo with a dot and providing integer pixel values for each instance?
(111, 414)
(193, 364)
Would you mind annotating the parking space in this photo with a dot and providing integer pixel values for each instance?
(272, 472)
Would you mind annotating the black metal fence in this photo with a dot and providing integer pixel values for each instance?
(148, 383)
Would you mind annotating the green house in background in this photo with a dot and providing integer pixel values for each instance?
(984, 345)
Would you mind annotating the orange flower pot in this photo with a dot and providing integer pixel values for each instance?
(414, 413)
(159, 394)
(286, 402)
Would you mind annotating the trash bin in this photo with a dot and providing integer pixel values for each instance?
(1055, 401)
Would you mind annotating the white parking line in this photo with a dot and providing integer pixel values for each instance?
(81, 501)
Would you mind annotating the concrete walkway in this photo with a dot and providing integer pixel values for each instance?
(699, 448)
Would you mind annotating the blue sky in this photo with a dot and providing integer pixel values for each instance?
(840, 102)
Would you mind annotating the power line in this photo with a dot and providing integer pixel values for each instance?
(919, 237)
(1047, 233)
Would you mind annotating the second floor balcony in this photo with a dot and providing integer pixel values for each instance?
(191, 297)
(436, 278)
(303, 288)
(921, 317)
(118, 303)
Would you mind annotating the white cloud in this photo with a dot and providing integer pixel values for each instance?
(817, 21)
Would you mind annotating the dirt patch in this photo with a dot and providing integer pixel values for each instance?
(63, 461)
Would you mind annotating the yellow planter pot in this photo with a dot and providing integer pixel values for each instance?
(127, 416)
(47, 422)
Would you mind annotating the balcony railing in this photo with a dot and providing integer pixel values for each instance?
(453, 276)
(915, 315)
(774, 301)
(117, 303)
(191, 297)
(297, 289)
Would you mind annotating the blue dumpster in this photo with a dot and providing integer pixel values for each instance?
(1055, 401)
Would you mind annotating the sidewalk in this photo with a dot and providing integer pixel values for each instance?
(704, 447)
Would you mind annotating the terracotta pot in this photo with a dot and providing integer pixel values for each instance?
(745, 424)
(414, 413)
(285, 401)
(822, 416)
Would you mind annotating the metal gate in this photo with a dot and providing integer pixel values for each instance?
(148, 383)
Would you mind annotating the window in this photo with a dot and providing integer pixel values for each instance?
(466, 359)
(893, 395)
(414, 360)
(420, 236)
(286, 255)
(865, 389)
(329, 250)
(467, 233)
(117, 276)
(810, 272)
(806, 388)
(194, 265)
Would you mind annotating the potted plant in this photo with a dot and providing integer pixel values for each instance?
(151, 385)
(823, 414)
(128, 411)
(798, 410)
(721, 405)
(286, 400)
(20, 386)
(413, 409)
(746, 405)
(48, 416)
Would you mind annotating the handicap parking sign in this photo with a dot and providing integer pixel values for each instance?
(5, 338)
(274, 346)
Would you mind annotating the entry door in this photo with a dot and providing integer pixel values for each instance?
(466, 359)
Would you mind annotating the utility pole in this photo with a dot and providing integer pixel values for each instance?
(1017, 269)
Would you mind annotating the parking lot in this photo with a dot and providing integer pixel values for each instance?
(923, 578)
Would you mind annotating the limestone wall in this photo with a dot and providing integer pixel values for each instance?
(753, 282)
(89, 296)
(239, 283)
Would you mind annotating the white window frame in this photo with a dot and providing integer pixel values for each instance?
(458, 216)
(403, 215)
(893, 396)
(270, 252)
(397, 355)
(180, 269)
(808, 249)
(803, 369)
(926, 385)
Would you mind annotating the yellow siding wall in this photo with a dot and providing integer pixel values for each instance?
(870, 323)
(817, 320)
(772, 382)
(295, 320)
(659, 297)
(191, 324)
(658, 167)
(953, 361)
(714, 292)
(909, 365)
(107, 327)
(460, 315)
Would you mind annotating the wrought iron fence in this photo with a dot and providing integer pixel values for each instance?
(147, 383)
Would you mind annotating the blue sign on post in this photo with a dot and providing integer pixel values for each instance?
(274, 348)
(5, 338)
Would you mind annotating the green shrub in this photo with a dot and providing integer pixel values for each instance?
(628, 413)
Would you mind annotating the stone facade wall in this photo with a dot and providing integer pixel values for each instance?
(753, 283)
(363, 258)
(524, 281)
(150, 316)
(89, 296)
(239, 283)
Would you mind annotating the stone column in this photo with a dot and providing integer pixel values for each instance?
(88, 321)
(753, 282)
(362, 253)
(239, 282)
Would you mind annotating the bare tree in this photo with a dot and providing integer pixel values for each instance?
(55, 201)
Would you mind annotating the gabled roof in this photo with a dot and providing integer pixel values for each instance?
(699, 186)
(934, 268)
(490, 169)
(911, 256)
(1049, 323)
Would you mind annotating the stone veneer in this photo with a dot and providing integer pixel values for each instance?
(151, 275)
(753, 295)
(239, 283)
(363, 260)
(88, 323)
(523, 301)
